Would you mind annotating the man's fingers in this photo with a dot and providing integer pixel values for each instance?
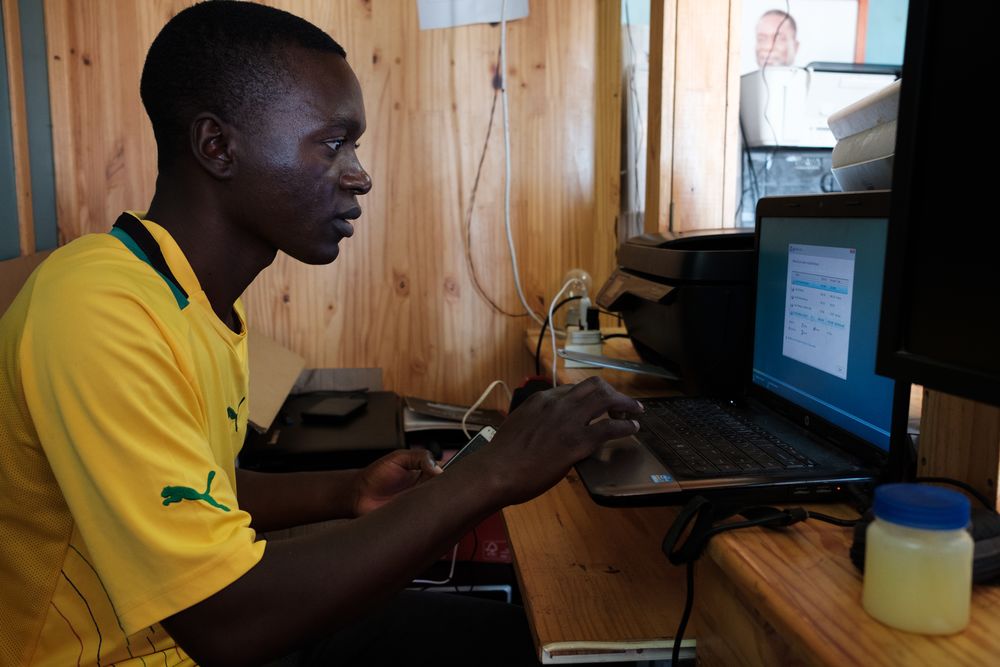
(621, 414)
(413, 459)
(609, 429)
(593, 397)
(428, 466)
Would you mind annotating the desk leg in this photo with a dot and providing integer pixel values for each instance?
(730, 631)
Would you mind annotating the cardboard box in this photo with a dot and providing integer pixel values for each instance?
(13, 274)
(273, 372)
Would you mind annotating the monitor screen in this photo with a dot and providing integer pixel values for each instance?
(941, 308)
(819, 288)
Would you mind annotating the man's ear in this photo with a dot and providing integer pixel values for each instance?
(212, 143)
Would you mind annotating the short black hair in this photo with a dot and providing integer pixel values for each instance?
(224, 57)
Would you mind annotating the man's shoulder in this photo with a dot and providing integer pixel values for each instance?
(95, 267)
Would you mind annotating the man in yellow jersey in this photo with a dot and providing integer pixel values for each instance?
(127, 535)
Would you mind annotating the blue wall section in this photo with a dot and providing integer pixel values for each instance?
(886, 31)
(637, 12)
(10, 243)
(36, 93)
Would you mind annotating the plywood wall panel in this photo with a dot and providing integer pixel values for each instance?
(704, 117)
(18, 125)
(693, 150)
(400, 296)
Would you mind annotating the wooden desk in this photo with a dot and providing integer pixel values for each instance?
(594, 578)
(764, 597)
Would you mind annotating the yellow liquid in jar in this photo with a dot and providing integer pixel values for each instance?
(918, 580)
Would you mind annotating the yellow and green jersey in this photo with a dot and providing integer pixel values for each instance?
(123, 404)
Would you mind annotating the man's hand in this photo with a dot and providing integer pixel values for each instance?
(390, 476)
(550, 432)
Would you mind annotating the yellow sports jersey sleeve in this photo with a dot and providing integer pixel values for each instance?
(122, 411)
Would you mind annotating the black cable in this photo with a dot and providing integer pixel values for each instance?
(618, 335)
(541, 334)
(764, 66)
(700, 511)
(846, 523)
(767, 88)
(688, 554)
(617, 316)
(960, 484)
(753, 171)
(472, 565)
(675, 654)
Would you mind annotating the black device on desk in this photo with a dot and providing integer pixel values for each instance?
(814, 416)
(325, 430)
(685, 298)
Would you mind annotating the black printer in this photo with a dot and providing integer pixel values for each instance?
(686, 299)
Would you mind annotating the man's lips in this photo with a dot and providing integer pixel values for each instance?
(343, 227)
(340, 221)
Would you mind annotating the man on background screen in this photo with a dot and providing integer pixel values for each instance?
(777, 41)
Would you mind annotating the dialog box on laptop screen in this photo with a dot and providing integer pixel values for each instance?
(819, 286)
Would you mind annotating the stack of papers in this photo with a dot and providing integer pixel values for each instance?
(422, 415)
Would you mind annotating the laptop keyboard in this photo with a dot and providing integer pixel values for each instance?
(698, 438)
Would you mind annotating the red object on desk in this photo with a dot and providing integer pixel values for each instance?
(487, 543)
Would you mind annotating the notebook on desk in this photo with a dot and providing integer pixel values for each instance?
(815, 418)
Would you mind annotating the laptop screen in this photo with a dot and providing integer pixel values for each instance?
(819, 288)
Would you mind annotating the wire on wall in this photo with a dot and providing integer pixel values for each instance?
(468, 220)
(506, 160)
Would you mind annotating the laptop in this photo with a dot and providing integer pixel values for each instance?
(814, 422)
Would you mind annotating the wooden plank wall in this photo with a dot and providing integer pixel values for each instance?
(400, 296)
(18, 126)
(960, 439)
(693, 150)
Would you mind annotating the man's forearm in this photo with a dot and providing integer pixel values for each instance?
(320, 580)
(283, 500)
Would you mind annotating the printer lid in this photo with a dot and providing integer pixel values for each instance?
(702, 255)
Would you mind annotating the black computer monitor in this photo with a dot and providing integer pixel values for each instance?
(940, 320)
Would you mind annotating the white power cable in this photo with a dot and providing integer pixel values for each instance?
(454, 551)
(506, 160)
(451, 572)
(552, 329)
(482, 397)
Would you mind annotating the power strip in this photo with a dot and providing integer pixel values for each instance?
(587, 341)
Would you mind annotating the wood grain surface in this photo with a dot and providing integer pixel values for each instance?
(705, 125)
(659, 142)
(693, 148)
(19, 126)
(960, 439)
(802, 596)
(591, 573)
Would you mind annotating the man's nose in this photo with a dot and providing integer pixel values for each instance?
(356, 180)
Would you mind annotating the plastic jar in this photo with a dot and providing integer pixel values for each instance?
(918, 559)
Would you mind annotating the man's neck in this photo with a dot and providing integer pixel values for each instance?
(222, 255)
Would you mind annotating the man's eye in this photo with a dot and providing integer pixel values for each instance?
(337, 144)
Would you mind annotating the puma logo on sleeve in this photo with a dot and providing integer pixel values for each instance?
(175, 494)
(234, 414)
